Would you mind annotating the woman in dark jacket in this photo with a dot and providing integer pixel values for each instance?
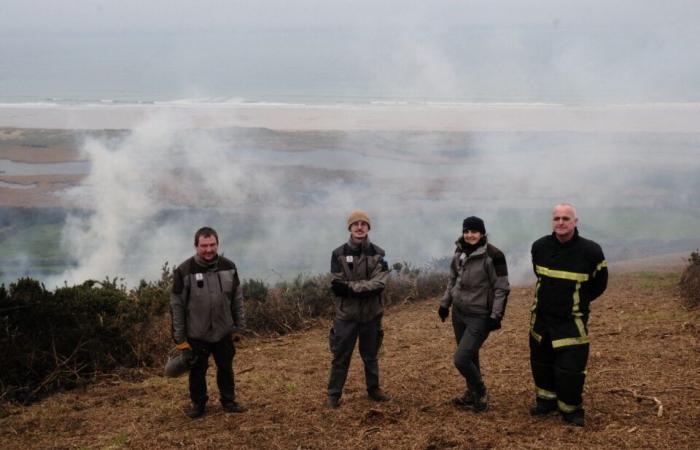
(478, 291)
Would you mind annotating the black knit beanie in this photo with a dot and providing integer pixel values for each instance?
(473, 223)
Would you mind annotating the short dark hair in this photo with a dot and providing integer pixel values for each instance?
(206, 232)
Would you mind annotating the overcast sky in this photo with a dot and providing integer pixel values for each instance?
(187, 14)
(332, 50)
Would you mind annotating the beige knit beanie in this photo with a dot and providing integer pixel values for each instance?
(356, 215)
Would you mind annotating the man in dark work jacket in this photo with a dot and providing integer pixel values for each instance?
(206, 304)
(359, 275)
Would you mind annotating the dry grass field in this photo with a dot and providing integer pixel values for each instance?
(642, 391)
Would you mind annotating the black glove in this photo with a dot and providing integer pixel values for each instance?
(443, 312)
(340, 288)
(494, 324)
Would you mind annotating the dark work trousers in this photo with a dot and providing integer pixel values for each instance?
(559, 373)
(223, 352)
(342, 340)
(470, 332)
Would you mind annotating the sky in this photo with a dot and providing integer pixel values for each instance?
(46, 15)
(327, 51)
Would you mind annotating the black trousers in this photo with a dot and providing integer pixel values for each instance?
(471, 333)
(559, 373)
(223, 352)
(342, 339)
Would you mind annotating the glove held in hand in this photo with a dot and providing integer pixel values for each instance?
(443, 312)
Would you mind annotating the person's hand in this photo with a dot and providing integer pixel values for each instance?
(183, 345)
(494, 324)
(443, 312)
(339, 287)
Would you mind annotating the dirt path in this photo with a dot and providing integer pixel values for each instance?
(644, 346)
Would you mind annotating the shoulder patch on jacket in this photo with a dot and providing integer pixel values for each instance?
(182, 271)
(225, 264)
(378, 250)
(499, 260)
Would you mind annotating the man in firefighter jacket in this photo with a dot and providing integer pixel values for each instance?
(571, 272)
(358, 277)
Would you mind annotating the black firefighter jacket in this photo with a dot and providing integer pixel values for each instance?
(569, 277)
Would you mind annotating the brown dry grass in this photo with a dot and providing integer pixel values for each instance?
(645, 346)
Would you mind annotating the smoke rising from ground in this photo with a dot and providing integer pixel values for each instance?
(279, 199)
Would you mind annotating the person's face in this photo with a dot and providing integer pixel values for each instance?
(359, 230)
(564, 222)
(207, 247)
(472, 237)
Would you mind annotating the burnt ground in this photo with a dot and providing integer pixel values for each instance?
(642, 391)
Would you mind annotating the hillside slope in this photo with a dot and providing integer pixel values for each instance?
(645, 346)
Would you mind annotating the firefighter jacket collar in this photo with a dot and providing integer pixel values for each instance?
(568, 243)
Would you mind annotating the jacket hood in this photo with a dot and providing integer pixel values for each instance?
(463, 246)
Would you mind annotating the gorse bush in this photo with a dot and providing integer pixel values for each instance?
(61, 339)
(54, 340)
(255, 290)
(690, 281)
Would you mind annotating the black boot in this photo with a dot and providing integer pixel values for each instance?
(378, 395)
(543, 407)
(465, 401)
(333, 401)
(576, 418)
(480, 401)
(195, 410)
(233, 407)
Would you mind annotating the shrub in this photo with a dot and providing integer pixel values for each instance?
(61, 339)
(255, 290)
(57, 340)
(690, 281)
(290, 305)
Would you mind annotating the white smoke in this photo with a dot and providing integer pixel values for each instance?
(279, 199)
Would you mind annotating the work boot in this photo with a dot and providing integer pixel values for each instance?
(378, 395)
(464, 401)
(576, 418)
(333, 401)
(233, 407)
(543, 407)
(480, 402)
(195, 410)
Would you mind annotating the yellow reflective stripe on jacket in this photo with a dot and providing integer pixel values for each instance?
(545, 394)
(558, 343)
(551, 273)
(575, 309)
(581, 327)
(536, 299)
(565, 407)
(533, 315)
(576, 312)
(603, 263)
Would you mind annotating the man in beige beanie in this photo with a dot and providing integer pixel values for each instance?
(359, 274)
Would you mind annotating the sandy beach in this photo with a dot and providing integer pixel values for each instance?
(645, 117)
